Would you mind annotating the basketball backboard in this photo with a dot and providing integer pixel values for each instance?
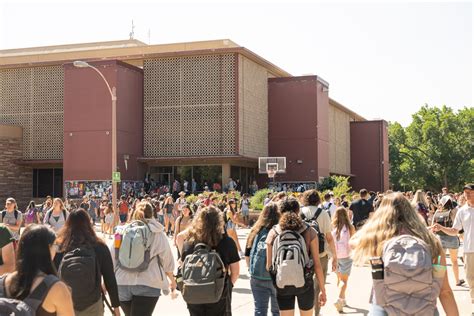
(271, 165)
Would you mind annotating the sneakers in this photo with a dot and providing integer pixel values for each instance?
(460, 283)
(340, 305)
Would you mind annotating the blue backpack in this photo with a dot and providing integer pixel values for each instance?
(258, 257)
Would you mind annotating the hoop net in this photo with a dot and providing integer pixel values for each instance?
(271, 173)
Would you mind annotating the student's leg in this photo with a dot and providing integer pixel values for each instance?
(342, 289)
(469, 269)
(453, 254)
(126, 306)
(324, 265)
(261, 295)
(143, 305)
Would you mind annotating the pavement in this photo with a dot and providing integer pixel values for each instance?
(358, 292)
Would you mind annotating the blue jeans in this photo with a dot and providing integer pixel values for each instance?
(376, 310)
(262, 292)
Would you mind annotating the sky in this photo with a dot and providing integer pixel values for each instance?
(382, 60)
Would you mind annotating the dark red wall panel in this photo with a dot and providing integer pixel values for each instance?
(88, 120)
(369, 155)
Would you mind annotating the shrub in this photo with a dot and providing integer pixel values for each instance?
(256, 201)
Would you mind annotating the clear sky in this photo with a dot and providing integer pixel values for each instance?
(381, 60)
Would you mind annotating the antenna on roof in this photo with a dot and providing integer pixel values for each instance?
(132, 33)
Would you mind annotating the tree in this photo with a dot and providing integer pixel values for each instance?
(435, 150)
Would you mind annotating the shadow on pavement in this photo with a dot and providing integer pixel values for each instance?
(355, 310)
(241, 290)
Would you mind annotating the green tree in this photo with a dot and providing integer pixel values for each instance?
(435, 150)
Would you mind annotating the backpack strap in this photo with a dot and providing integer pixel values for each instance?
(3, 292)
(47, 217)
(318, 212)
(64, 214)
(36, 298)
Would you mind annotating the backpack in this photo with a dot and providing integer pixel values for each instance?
(134, 251)
(443, 217)
(314, 223)
(48, 216)
(79, 270)
(27, 307)
(258, 257)
(408, 286)
(30, 216)
(291, 268)
(204, 276)
(15, 212)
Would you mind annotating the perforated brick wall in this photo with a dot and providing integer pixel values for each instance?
(33, 99)
(189, 106)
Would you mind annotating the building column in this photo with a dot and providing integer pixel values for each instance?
(225, 174)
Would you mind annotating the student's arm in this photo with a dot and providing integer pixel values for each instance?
(107, 271)
(17, 225)
(234, 271)
(446, 296)
(318, 270)
(332, 247)
(8, 257)
(62, 299)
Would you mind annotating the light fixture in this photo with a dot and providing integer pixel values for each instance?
(81, 64)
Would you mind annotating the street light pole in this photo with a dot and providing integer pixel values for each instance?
(113, 95)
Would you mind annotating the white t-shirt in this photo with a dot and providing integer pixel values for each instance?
(331, 208)
(324, 223)
(465, 220)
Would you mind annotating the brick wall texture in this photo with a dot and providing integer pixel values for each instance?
(15, 180)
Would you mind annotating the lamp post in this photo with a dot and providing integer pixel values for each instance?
(113, 95)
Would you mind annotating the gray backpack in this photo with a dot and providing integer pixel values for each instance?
(408, 286)
(291, 266)
(204, 276)
(134, 251)
(27, 307)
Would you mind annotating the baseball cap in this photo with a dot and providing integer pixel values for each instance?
(444, 200)
(469, 186)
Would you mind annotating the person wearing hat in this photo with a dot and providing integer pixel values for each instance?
(12, 217)
(464, 220)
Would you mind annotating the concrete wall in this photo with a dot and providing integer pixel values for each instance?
(88, 121)
(369, 155)
(298, 110)
(339, 141)
(15, 179)
(253, 108)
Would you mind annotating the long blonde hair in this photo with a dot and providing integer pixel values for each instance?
(419, 197)
(394, 217)
(269, 217)
(341, 219)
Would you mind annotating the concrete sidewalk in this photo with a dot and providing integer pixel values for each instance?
(358, 292)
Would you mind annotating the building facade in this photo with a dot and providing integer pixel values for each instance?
(202, 110)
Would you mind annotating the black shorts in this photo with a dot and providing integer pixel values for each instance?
(305, 300)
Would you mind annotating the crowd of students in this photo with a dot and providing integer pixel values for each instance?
(59, 266)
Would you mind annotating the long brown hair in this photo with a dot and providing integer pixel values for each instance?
(341, 219)
(207, 227)
(77, 232)
(269, 217)
(394, 217)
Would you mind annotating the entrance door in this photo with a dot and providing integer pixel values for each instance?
(162, 178)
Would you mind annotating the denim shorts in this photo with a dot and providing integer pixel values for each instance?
(126, 292)
(344, 266)
(449, 242)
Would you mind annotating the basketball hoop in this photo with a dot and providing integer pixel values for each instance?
(271, 173)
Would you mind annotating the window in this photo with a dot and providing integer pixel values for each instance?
(47, 182)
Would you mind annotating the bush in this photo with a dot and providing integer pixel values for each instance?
(337, 184)
(256, 201)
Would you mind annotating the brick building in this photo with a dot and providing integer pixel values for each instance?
(203, 110)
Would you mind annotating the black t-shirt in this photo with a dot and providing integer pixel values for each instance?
(226, 249)
(361, 209)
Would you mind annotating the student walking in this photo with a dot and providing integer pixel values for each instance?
(231, 222)
(464, 220)
(35, 281)
(394, 230)
(207, 239)
(182, 223)
(143, 265)
(261, 283)
(342, 231)
(84, 261)
(32, 214)
(56, 216)
(12, 217)
(290, 244)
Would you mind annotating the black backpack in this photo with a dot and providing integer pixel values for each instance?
(79, 270)
(312, 222)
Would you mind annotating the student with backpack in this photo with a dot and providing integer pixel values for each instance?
(444, 216)
(12, 217)
(207, 287)
(328, 204)
(245, 208)
(420, 204)
(342, 231)
(256, 258)
(408, 262)
(7, 250)
(34, 288)
(32, 215)
(84, 261)
(143, 263)
(182, 223)
(315, 216)
(56, 216)
(292, 259)
(231, 220)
